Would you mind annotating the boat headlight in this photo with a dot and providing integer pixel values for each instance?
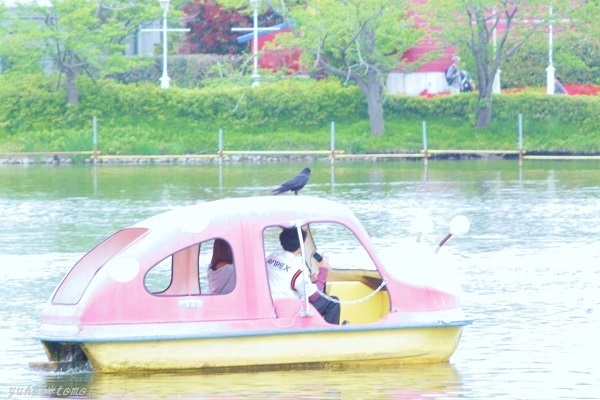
(123, 269)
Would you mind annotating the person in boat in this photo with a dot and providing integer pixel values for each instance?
(285, 270)
(221, 271)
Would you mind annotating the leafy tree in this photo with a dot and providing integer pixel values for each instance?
(584, 40)
(470, 25)
(3, 30)
(211, 24)
(210, 27)
(74, 36)
(576, 56)
(358, 41)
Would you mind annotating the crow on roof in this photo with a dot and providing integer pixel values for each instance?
(294, 184)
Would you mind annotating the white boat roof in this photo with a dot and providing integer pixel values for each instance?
(268, 210)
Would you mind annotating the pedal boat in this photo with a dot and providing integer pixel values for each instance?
(113, 311)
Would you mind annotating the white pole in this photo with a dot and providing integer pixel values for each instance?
(425, 142)
(255, 4)
(220, 146)
(332, 141)
(550, 70)
(496, 83)
(164, 80)
(520, 131)
(94, 132)
(255, 75)
(520, 140)
(95, 138)
(307, 312)
(220, 141)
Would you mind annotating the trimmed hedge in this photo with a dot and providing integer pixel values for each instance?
(581, 110)
(298, 103)
(29, 101)
(145, 119)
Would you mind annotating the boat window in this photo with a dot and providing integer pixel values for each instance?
(188, 271)
(342, 247)
(271, 238)
(353, 279)
(73, 286)
(335, 240)
(158, 279)
(217, 267)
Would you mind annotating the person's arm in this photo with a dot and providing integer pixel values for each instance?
(298, 286)
(323, 273)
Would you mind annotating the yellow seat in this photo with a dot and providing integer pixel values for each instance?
(364, 312)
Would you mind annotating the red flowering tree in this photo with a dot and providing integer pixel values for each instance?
(210, 28)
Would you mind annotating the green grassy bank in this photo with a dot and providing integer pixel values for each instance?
(287, 115)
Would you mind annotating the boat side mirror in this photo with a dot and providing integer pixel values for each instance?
(459, 225)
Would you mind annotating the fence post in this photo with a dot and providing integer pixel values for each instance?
(95, 138)
(520, 140)
(332, 142)
(425, 142)
(220, 145)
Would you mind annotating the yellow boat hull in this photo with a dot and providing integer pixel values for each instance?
(277, 351)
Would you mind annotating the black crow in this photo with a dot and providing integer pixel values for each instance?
(294, 184)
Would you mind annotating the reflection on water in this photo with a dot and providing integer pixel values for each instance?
(530, 268)
(408, 382)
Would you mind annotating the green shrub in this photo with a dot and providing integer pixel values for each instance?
(287, 114)
(29, 101)
(576, 58)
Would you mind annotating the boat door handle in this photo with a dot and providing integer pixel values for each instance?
(190, 303)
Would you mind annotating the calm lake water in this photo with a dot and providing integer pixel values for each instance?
(529, 267)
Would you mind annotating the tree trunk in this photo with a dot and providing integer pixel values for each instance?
(484, 116)
(373, 94)
(371, 89)
(70, 77)
(72, 92)
(484, 110)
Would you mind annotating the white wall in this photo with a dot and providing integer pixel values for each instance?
(416, 82)
(144, 42)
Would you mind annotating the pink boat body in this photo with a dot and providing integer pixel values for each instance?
(102, 311)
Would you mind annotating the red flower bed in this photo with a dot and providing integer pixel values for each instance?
(425, 93)
(574, 89)
(588, 90)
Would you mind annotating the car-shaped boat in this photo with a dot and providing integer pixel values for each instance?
(140, 301)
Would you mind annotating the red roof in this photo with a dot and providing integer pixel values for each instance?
(427, 46)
